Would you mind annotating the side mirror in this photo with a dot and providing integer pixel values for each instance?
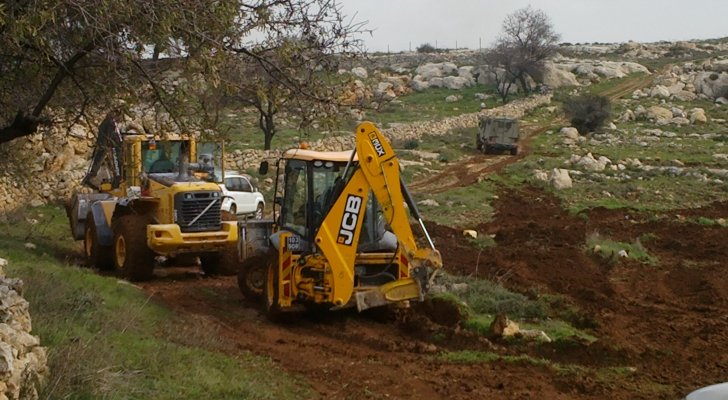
(263, 169)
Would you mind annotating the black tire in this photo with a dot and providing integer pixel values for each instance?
(132, 257)
(258, 211)
(271, 308)
(233, 209)
(514, 151)
(486, 149)
(251, 277)
(96, 255)
(225, 262)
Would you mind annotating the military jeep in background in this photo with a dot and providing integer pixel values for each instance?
(496, 135)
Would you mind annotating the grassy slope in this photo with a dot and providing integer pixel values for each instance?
(107, 339)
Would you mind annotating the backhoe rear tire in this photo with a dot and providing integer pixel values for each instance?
(225, 262)
(252, 277)
(132, 257)
(96, 255)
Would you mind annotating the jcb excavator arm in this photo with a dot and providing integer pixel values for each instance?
(377, 171)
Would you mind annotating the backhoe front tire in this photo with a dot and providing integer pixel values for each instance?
(96, 255)
(132, 257)
(252, 277)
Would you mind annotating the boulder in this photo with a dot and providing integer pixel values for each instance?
(455, 82)
(589, 163)
(697, 116)
(659, 114)
(680, 121)
(452, 98)
(711, 84)
(560, 179)
(502, 326)
(609, 72)
(555, 77)
(385, 91)
(418, 85)
(436, 82)
(570, 133)
(684, 95)
(360, 72)
(466, 72)
(660, 91)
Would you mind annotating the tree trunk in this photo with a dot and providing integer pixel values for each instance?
(22, 125)
(268, 127)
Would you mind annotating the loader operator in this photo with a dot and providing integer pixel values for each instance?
(108, 148)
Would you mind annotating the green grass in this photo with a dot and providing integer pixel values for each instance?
(108, 339)
(464, 206)
(430, 104)
(609, 250)
(482, 300)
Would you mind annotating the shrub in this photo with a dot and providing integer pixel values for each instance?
(588, 112)
(411, 144)
(426, 48)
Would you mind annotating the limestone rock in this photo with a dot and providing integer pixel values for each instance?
(502, 326)
(560, 179)
(659, 114)
(428, 203)
(556, 77)
(360, 72)
(660, 91)
(570, 133)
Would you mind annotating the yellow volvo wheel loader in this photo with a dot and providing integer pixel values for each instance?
(342, 236)
(149, 200)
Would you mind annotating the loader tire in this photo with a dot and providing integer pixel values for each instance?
(132, 257)
(514, 151)
(225, 262)
(271, 308)
(252, 276)
(96, 255)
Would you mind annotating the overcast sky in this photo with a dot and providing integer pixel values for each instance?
(401, 23)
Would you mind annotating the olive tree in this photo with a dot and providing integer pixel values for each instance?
(526, 41)
(72, 56)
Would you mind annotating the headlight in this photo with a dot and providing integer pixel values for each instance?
(188, 196)
(215, 194)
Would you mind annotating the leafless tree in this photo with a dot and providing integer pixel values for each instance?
(526, 41)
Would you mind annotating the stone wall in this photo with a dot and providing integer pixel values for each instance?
(22, 360)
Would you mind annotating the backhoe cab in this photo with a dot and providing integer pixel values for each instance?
(342, 236)
(149, 199)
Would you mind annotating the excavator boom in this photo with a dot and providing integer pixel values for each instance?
(378, 172)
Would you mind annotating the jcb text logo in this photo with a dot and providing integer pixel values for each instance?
(378, 147)
(349, 220)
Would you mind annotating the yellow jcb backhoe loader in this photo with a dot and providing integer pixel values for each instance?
(342, 236)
